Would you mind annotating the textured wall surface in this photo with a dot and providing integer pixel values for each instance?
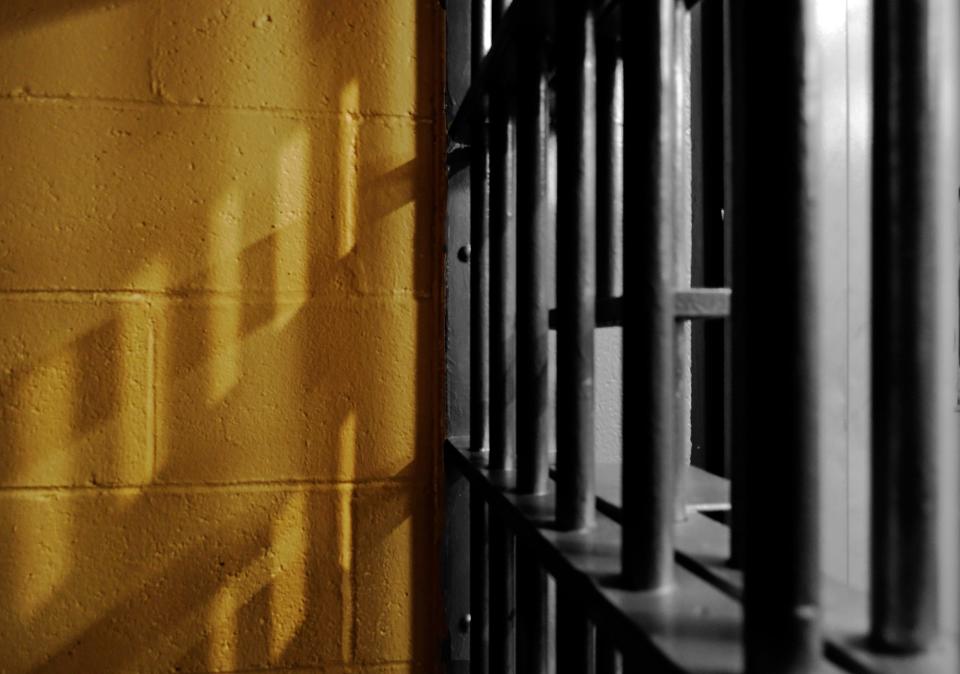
(219, 335)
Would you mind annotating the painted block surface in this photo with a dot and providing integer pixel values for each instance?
(294, 390)
(85, 49)
(172, 199)
(386, 51)
(204, 581)
(75, 392)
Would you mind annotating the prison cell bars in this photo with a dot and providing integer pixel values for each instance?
(634, 603)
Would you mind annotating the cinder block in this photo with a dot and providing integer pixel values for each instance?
(312, 389)
(75, 380)
(160, 581)
(398, 215)
(98, 48)
(159, 198)
(395, 585)
(365, 56)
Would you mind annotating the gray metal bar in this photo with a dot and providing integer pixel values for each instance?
(532, 614)
(911, 359)
(503, 610)
(576, 272)
(648, 324)
(781, 434)
(609, 166)
(698, 303)
(479, 244)
(503, 294)
(694, 628)
(533, 230)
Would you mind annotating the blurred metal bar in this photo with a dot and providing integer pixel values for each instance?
(479, 624)
(532, 614)
(503, 609)
(479, 243)
(913, 176)
(608, 660)
(533, 230)
(503, 278)
(778, 316)
(609, 166)
(576, 270)
(498, 7)
(648, 320)
(575, 634)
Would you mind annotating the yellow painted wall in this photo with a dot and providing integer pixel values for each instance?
(219, 335)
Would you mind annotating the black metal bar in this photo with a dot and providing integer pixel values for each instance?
(479, 244)
(780, 145)
(576, 272)
(733, 185)
(532, 613)
(648, 321)
(503, 610)
(609, 166)
(533, 230)
(479, 595)
(911, 277)
(503, 275)
(575, 634)
(709, 419)
(608, 660)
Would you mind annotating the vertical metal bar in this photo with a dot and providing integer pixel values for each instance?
(532, 622)
(648, 326)
(575, 634)
(609, 166)
(576, 272)
(503, 611)
(503, 276)
(681, 226)
(608, 660)
(780, 146)
(479, 239)
(735, 359)
(533, 228)
(911, 360)
(709, 423)
(502, 545)
(479, 624)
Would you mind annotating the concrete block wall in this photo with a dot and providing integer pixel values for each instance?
(219, 335)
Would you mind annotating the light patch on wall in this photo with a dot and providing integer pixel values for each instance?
(292, 213)
(43, 557)
(237, 591)
(288, 592)
(348, 153)
(46, 403)
(226, 246)
(348, 450)
(222, 623)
